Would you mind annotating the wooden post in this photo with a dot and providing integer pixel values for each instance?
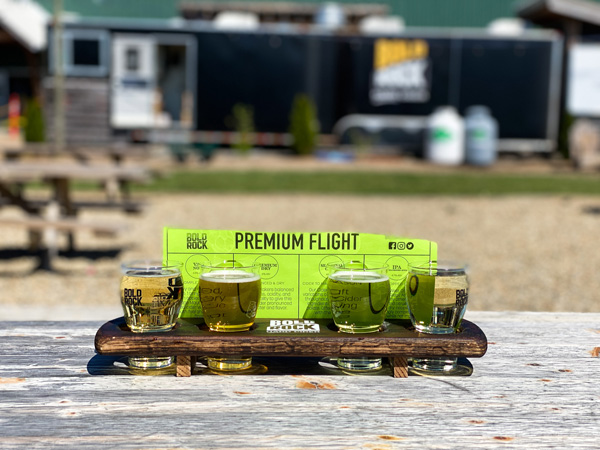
(59, 79)
(185, 365)
(399, 366)
(63, 198)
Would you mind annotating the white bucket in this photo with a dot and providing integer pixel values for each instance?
(481, 136)
(445, 137)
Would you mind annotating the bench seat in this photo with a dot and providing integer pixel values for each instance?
(43, 233)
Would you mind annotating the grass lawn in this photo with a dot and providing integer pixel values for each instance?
(372, 183)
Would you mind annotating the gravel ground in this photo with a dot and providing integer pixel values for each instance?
(527, 253)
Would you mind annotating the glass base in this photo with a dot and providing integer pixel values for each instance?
(329, 365)
(229, 364)
(361, 364)
(356, 329)
(221, 328)
(438, 367)
(205, 367)
(435, 329)
(151, 328)
(155, 362)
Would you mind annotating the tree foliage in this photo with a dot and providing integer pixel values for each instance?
(304, 125)
(34, 122)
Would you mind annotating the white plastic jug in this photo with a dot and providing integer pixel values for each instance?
(481, 136)
(445, 137)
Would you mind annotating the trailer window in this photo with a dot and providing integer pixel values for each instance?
(85, 53)
(132, 59)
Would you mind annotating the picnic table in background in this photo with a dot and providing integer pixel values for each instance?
(117, 154)
(537, 387)
(59, 212)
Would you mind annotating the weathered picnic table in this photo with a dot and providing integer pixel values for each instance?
(537, 387)
(84, 154)
(59, 212)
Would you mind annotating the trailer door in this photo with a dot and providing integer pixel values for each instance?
(133, 79)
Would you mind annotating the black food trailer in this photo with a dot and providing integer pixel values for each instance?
(179, 81)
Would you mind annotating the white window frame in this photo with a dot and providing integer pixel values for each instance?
(73, 70)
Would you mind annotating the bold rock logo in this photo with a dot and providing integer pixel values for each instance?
(197, 241)
(293, 326)
(401, 72)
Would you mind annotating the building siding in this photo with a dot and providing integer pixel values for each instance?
(416, 13)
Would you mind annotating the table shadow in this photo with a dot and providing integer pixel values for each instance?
(100, 365)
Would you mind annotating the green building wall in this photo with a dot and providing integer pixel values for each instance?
(416, 13)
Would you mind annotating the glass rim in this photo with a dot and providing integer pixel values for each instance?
(441, 266)
(230, 267)
(365, 268)
(151, 264)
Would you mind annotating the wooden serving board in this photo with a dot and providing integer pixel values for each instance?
(397, 340)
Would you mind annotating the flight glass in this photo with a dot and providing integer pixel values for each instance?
(437, 294)
(359, 295)
(151, 296)
(229, 295)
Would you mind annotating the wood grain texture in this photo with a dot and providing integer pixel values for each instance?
(536, 387)
(183, 366)
(188, 338)
(399, 366)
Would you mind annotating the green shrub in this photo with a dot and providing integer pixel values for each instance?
(563, 134)
(34, 122)
(243, 124)
(304, 125)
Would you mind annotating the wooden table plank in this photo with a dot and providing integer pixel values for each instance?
(537, 387)
(32, 171)
(188, 338)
